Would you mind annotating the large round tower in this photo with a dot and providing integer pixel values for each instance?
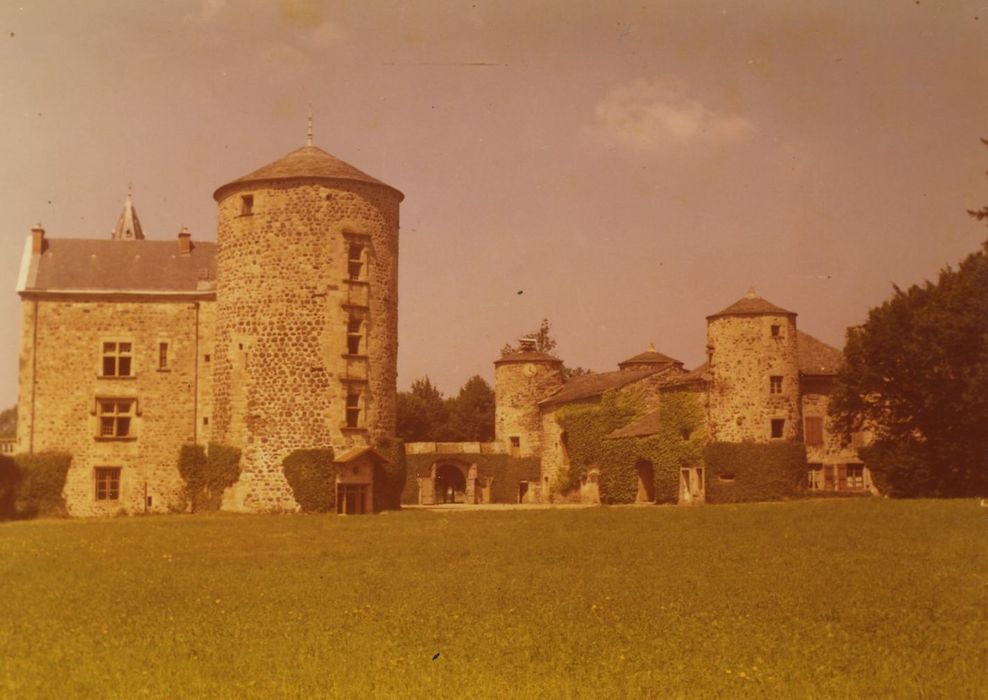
(521, 380)
(306, 316)
(754, 368)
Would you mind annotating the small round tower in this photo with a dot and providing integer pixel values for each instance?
(754, 368)
(521, 381)
(306, 316)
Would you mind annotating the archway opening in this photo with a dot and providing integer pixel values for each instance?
(451, 484)
(646, 482)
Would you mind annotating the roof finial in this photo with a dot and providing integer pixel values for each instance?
(651, 347)
(308, 133)
(751, 293)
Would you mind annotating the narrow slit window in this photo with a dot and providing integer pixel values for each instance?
(355, 261)
(353, 410)
(162, 355)
(247, 205)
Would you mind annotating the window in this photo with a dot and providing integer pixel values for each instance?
(115, 416)
(353, 336)
(776, 330)
(814, 430)
(515, 441)
(162, 355)
(207, 357)
(117, 359)
(247, 205)
(778, 426)
(355, 261)
(775, 384)
(205, 420)
(855, 476)
(686, 433)
(815, 477)
(107, 483)
(353, 410)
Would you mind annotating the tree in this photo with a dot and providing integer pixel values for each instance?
(916, 375)
(8, 422)
(982, 213)
(471, 413)
(421, 414)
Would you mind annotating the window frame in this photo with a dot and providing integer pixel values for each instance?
(115, 415)
(775, 384)
(107, 481)
(781, 422)
(114, 351)
(354, 411)
(813, 437)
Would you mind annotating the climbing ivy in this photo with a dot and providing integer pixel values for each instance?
(390, 478)
(208, 473)
(754, 471)
(679, 442)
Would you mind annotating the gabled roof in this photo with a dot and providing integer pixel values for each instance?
(83, 265)
(305, 163)
(590, 385)
(751, 305)
(816, 357)
(648, 424)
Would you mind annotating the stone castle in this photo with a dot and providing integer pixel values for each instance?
(282, 335)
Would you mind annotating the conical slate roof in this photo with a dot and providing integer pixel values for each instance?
(305, 163)
(751, 305)
(649, 357)
(128, 226)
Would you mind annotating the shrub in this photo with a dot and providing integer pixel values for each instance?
(750, 471)
(312, 476)
(10, 479)
(207, 473)
(389, 479)
(41, 482)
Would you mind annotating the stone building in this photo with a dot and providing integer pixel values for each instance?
(280, 336)
(764, 383)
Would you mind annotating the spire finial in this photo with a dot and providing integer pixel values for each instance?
(751, 293)
(651, 347)
(308, 133)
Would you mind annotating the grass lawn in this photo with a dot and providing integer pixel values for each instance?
(827, 598)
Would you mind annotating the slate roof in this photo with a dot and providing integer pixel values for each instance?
(816, 357)
(650, 357)
(306, 162)
(590, 385)
(76, 264)
(527, 356)
(751, 305)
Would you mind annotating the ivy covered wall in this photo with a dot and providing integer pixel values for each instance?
(754, 471)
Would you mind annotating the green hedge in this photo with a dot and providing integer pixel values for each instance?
(32, 485)
(588, 425)
(312, 476)
(505, 470)
(749, 471)
(207, 473)
(389, 479)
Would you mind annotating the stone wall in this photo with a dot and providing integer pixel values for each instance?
(59, 411)
(743, 356)
(519, 386)
(283, 370)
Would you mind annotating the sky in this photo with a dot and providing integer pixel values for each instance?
(622, 169)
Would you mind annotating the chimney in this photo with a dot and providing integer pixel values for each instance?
(528, 344)
(37, 240)
(184, 241)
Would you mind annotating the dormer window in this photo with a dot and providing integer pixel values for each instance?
(355, 261)
(247, 205)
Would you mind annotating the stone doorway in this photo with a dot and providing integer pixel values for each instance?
(646, 482)
(692, 485)
(351, 499)
(450, 484)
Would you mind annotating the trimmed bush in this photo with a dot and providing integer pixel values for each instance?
(207, 473)
(40, 484)
(10, 479)
(389, 479)
(312, 476)
(750, 471)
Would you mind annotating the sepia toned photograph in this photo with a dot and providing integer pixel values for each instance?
(494, 350)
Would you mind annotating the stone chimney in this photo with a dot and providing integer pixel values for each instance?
(528, 344)
(37, 240)
(184, 241)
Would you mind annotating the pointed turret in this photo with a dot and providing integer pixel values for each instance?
(128, 226)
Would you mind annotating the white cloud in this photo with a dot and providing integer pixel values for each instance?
(647, 115)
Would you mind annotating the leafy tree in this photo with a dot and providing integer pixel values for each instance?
(8, 422)
(982, 213)
(471, 413)
(916, 375)
(421, 413)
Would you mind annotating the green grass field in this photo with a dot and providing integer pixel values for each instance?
(829, 598)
